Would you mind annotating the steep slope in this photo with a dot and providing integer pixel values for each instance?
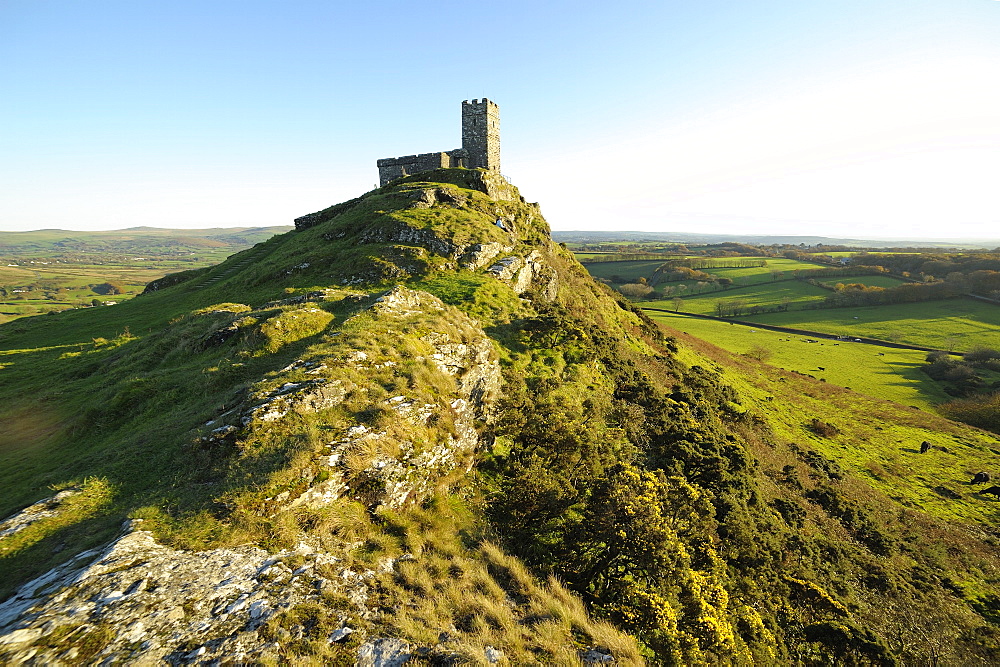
(285, 460)
(415, 428)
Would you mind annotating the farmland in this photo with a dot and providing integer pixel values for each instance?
(786, 293)
(953, 324)
(890, 374)
(794, 291)
(52, 270)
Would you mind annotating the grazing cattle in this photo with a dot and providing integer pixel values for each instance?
(980, 478)
(821, 368)
(994, 490)
(924, 446)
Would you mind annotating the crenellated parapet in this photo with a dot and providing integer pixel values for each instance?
(480, 146)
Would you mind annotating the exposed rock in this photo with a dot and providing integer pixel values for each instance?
(163, 601)
(414, 472)
(220, 336)
(400, 302)
(40, 510)
(140, 601)
(596, 657)
(430, 196)
(308, 396)
(526, 273)
(479, 255)
(506, 268)
(315, 295)
(384, 652)
(404, 234)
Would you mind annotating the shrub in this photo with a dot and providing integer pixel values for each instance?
(110, 287)
(982, 411)
(635, 290)
(822, 428)
(758, 352)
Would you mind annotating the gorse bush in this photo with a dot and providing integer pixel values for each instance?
(980, 411)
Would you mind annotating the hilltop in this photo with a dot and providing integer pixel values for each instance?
(414, 427)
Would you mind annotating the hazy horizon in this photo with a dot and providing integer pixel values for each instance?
(854, 119)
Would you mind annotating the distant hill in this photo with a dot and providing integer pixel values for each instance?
(759, 239)
(141, 240)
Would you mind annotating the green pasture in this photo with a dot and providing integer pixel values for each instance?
(629, 271)
(886, 373)
(67, 284)
(762, 274)
(953, 324)
(794, 293)
(632, 270)
(878, 441)
(870, 281)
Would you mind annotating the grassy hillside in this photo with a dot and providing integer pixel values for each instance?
(885, 373)
(421, 387)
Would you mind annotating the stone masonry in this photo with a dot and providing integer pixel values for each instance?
(480, 146)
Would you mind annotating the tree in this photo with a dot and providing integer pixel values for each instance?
(635, 290)
(758, 352)
(110, 287)
(678, 302)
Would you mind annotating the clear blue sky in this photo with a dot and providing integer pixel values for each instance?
(873, 118)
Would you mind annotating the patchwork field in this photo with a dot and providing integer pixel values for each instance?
(54, 270)
(953, 324)
(632, 270)
(629, 271)
(790, 293)
(886, 373)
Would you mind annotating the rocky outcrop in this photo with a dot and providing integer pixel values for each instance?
(43, 509)
(406, 235)
(527, 273)
(416, 469)
(306, 396)
(140, 601)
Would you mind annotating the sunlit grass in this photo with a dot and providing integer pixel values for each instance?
(878, 441)
(953, 324)
(886, 373)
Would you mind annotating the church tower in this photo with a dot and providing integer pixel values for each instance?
(481, 134)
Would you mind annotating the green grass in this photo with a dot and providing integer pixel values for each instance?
(769, 295)
(878, 442)
(886, 373)
(955, 324)
(762, 274)
(871, 281)
(629, 271)
(54, 270)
